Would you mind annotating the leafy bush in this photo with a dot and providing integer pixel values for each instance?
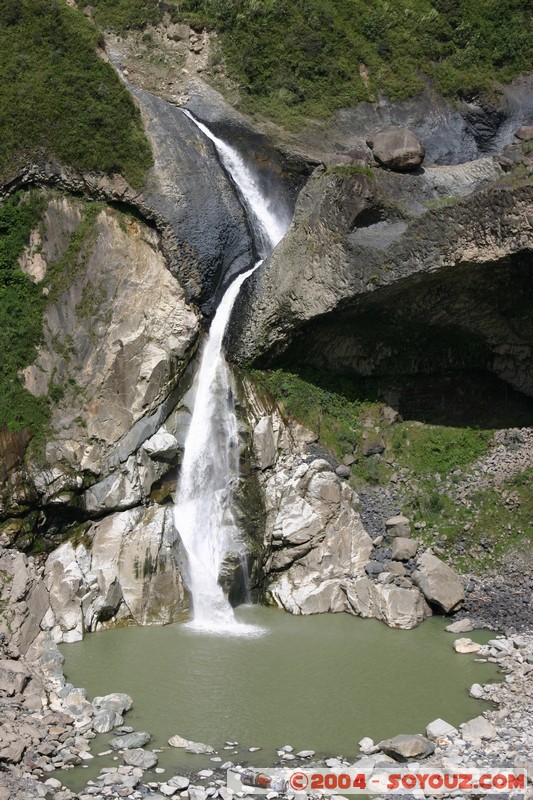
(304, 57)
(57, 97)
(21, 308)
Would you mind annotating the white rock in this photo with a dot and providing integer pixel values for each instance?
(461, 626)
(439, 729)
(477, 728)
(466, 645)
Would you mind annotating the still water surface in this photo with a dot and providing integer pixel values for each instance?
(319, 683)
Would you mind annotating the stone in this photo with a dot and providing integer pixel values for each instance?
(373, 447)
(264, 443)
(465, 646)
(525, 133)
(461, 626)
(439, 584)
(366, 745)
(317, 537)
(162, 445)
(397, 607)
(130, 741)
(405, 747)
(397, 149)
(403, 549)
(178, 741)
(199, 748)
(117, 702)
(476, 691)
(104, 721)
(398, 526)
(306, 754)
(343, 471)
(14, 676)
(180, 782)
(439, 729)
(477, 728)
(138, 757)
(178, 32)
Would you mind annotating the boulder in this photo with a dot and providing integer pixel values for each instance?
(477, 728)
(117, 702)
(405, 747)
(439, 729)
(13, 677)
(525, 133)
(130, 741)
(461, 626)
(162, 445)
(144, 759)
(397, 149)
(317, 537)
(438, 582)
(398, 526)
(465, 646)
(403, 549)
(396, 606)
(264, 443)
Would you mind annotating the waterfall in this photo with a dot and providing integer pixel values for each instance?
(203, 511)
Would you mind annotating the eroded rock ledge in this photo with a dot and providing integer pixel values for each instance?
(389, 274)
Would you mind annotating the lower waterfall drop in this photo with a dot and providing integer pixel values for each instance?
(203, 512)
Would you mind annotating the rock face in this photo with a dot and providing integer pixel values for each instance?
(397, 149)
(315, 553)
(360, 287)
(117, 338)
(129, 569)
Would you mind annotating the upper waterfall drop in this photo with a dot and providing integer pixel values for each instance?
(203, 512)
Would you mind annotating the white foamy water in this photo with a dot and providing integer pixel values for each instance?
(204, 510)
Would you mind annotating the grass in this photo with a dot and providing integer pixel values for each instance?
(437, 449)
(311, 57)
(434, 459)
(21, 309)
(59, 98)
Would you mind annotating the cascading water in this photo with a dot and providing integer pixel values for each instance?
(205, 499)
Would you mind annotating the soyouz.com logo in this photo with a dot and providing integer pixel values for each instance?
(393, 780)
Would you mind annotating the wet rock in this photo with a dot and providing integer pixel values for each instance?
(525, 133)
(405, 747)
(438, 582)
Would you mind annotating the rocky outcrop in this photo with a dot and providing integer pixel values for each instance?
(369, 281)
(117, 338)
(126, 568)
(316, 555)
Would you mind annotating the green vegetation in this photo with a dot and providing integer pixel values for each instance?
(310, 57)
(22, 304)
(346, 171)
(21, 308)
(58, 97)
(330, 405)
(432, 461)
(430, 449)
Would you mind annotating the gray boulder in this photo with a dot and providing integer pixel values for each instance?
(477, 728)
(461, 626)
(397, 148)
(145, 759)
(438, 582)
(405, 747)
(439, 729)
(398, 526)
(403, 549)
(130, 741)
